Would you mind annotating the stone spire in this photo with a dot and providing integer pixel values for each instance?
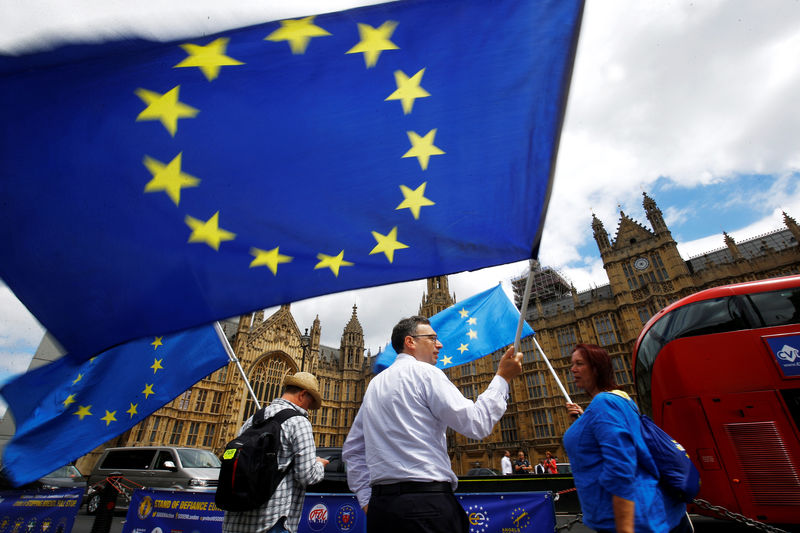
(352, 344)
(793, 227)
(438, 297)
(653, 214)
(600, 234)
(731, 244)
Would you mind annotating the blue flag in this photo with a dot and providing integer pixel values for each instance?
(66, 409)
(469, 330)
(273, 163)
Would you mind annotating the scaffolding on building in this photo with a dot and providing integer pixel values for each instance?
(548, 284)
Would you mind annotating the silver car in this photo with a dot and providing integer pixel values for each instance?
(160, 467)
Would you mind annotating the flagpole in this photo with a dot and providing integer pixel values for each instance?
(233, 358)
(555, 376)
(524, 308)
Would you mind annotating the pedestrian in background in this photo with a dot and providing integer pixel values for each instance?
(521, 465)
(505, 463)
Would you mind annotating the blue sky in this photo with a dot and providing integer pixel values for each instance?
(693, 102)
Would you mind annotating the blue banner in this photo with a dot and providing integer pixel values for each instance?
(786, 350)
(173, 510)
(39, 512)
(510, 512)
(513, 512)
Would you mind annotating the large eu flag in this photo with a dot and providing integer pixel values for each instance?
(66, 409)
(469, 330)
(261, 166)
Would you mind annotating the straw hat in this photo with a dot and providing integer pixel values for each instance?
(307, 382)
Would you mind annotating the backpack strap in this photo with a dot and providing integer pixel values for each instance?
(259, 418)
(280, 417)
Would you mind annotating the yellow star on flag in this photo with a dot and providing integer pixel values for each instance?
(447, 360)
(387, 244)
(156, 366)
(268, 258)
(109, 417)
(374, 41)
(472, 321)
(168, 178)
(70, 400)
(208, 231)
(334, 262)
(464, 313)
(463, 348)
(208, 58)
(148, 390)
(414, 199)
(472, 334)
(422, 147)
(132, 410)
(80, 377)
(83, 411)
(408, 89)
(298, 32)
(157, 342)
(165, 107)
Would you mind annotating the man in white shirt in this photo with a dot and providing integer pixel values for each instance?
(505, 463)
(396, 451)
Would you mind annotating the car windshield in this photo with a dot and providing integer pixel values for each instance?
(198, 459)
(65, 471)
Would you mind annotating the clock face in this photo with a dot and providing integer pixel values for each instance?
(641, 263)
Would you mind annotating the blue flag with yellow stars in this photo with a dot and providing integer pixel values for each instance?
(65, 409)
(474, 328)
(261, 166)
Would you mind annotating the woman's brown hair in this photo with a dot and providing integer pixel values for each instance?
(599, 361)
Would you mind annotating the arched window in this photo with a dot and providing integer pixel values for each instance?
(267, 381)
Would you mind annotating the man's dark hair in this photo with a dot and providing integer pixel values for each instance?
(291, 389)
(404, 328)
(600, 362)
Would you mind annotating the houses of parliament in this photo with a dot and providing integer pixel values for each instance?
(645, 273)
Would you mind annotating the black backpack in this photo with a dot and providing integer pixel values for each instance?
(249, 474)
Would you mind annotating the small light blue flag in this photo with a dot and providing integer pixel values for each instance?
(469, 330)
(66, 409)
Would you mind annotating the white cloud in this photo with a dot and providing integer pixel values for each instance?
(19, 331)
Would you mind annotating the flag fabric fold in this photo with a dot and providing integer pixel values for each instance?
(65, 409)
(469, 330)
(277, 162)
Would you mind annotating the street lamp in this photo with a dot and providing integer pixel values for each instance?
(305, 342)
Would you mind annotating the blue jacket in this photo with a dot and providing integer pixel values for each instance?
(609, 457)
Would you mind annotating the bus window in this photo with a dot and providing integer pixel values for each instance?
(777, 308)
(700, 318)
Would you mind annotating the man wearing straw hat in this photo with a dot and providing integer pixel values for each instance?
(396, 452)
(281, 513)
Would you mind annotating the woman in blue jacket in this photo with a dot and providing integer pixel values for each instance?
(613, 470)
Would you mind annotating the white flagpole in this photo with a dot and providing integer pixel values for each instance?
(524, 307)
(555, 376)
(233, 358)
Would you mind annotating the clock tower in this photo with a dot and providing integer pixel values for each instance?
(643, 265)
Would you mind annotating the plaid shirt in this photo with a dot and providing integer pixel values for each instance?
(297, 441)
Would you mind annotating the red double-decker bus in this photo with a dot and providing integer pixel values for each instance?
(720, 371)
